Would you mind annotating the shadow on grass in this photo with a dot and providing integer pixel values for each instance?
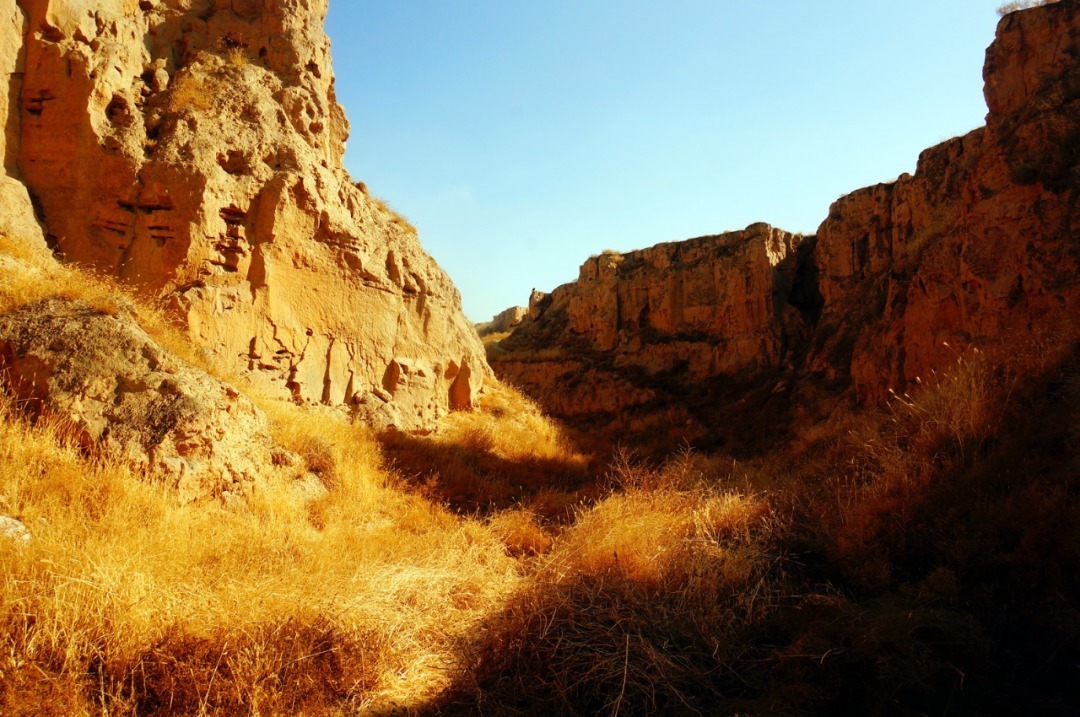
(472, 479)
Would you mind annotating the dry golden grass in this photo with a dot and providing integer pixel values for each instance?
(847, 573)
(637, 601)
(383, 211)
(191, 91)
(503, 454)
(531, 356)
(1011, 7)
(123, 593)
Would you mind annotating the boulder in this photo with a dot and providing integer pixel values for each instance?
(114, 391)
(13, 530)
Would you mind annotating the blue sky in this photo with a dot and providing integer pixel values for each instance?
(522, 137)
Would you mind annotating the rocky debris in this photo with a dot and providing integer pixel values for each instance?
(14, 530)
(503, 322)
(980, 245)
(115, 391)
(193, 148)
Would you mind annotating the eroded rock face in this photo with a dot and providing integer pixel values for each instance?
(17, 220)
(503, 321)
(107, 382)
(982, 243)
(980, 246)
(193, 148)
(684, 312)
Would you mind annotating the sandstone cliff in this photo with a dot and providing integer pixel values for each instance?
(192, 148)
(690, 310)
(979, 246)
(16, 212)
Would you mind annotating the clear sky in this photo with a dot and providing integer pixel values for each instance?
(521, 137)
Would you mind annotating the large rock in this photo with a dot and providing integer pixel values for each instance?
(115, 391)
(14, 530)
(193, 148)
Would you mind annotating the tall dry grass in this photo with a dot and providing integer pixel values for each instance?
(505, 454)
(133, 604)
(345, 595)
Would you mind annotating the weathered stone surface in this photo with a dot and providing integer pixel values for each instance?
(685, 311)
(193, 148)
(503, 321)
(981, 244)
(13, 530)
(17, 218)
(108, 383)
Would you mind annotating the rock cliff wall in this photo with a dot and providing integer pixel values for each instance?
(980, 245)
(192, 148)
(16, 212)
(683, 311)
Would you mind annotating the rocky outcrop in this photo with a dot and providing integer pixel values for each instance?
(14, 530)
(503, 322)
(981, 245)
(17, 220)
(681, 312)
(115, 391)
(192, 148)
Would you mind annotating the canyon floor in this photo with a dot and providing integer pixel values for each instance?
(255, 461)
(911, 558)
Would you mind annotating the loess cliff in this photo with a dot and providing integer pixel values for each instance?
(192, 149)
(981, 245)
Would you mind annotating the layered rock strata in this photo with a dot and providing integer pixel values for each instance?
(980, 245)
(687, 311)
(192, 148)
